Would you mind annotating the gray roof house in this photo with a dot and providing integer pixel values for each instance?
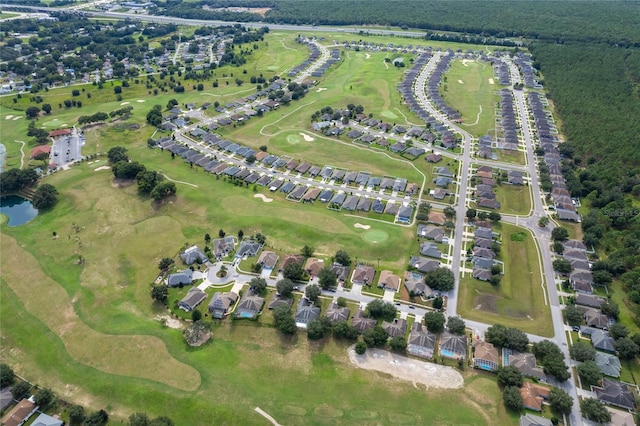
(222, 246)
(525, 362)
(415, 284)
(397, 327)
(249, 306)
(194, 297)
(306, 312)
(184, 277)
(363, 274)
(278, 300)
(221, 303)
(608, 364)
(453, 345)
(423, 264)
(430, 250)
(421, 343)
(615, 393)
(603, 341)
(337, 313)
(533, 420)
(341, 272)
(405, 213)
(590, 300)
(46, 420)
(193, 255)
(431, 232)
(248, 248)
(362, 323)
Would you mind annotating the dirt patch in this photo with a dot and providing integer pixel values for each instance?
(361, 226)
(487, 303)
(410, 370)
(263, 198)
(170, 322)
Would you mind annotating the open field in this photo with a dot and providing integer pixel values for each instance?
(466, 87)
(519, 300)
(514, 199)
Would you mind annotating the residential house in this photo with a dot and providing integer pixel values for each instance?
(250, 306)
(423, 264)
(437, 218)
(337, 313)
(595, 318)
(388, 281)
(615, 393)
(431, 232)
(589, 300)
(306, 313)
(363, 275)
(533, 420)
(453, 345)
(421, 343)
(291, 258)
(481, 274)
(397, 327)
(223, 246)
(279, 300)
(405, 213)
(483, 242)
(533, 396)
(341, 272)
(525, 362)
(194, 297)
(313, 266)
(484, 253)
(433, 158)
(608, 364)
(620, 418)
(46, 420)
(362, 323)
(179, 278)
(415, 285)
(248, 248)
(602, 340)
(430, 250)
(486, 356)
(193, 255)
(268, 259)
(221, 303)
(19, 414)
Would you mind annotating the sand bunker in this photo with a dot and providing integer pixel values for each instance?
(8, 117)
(125, 103)
(429, 374)
(491, 81)
(97, 169)
(361, 226)
(460, 81)
(367, 56)
(465, 61)
(17, 118)
(170, 322)
(263, 198)
(321, 89)
(307, 137)
(141, 100)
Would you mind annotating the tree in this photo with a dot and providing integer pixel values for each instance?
(165, 263)
(6, 375)
(293, 271)
(618, 330)
(449, 212)
(602, 277)
(21, 390)
(44, 398)
(573, 315)
(162, 421)
(595, 410)
(163, 189)
(589, 373)
(154, 116)
(627, 348)
(438, 302)
(342, 302)
(434, 321)
(327, 278)
(456, 325)
(117, 154)
(117, 90)
(471, 214)
(512, 398)
(160, 293)
(610, 309)
(221, 233)
(98, 418)
(378, 308)
(543, 221)
(240, 234)
(76, 415)
(361, 348)
(147, 180)
(197, 333)
(32, 112)
(581, 351)
(45, 197)
(127, 170)
(558, 247)
(398, 343)
(509, 376)
(258, 284)
(307, 251)
(315, 330)
(342, 257)
(376, 336)
(342, 330)
(285, 287)
(561, 402)
(440, 279)
(495, 216)
(312, 292)
(560, 234)
(196, 315)
(562, 266)
(139, 419)
(283, 320)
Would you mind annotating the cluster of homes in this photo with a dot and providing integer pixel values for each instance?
(23, 411)
(580, 278)
(433, 90)
(524, 63)
(485, 183)
(506, 124)
(483, 257)
(501, 71)
(564, 204)
(313, 56)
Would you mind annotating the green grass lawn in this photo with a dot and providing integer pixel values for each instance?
(467, 87)
(518, 301)
(514, 199)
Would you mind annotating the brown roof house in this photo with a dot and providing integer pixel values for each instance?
(19, 414)
(389, 281)
(533, 396)
(363, 274)
(362, 323)
(437, 218)
(397, 327)
(313, 266)
(525, 363)
(337, 313)
(485, 356)
(221, 303)
(291, 258)
(268, 259)
(194, 297)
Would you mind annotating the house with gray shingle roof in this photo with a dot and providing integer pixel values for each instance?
(431, 232)
(423, 264)
(306, 313)
(608, 364)
(421, 343)
(180, 278)
(430, 250)
(194, 297)
(337, 313)
(615, 393)
(397, 327)
(362, 323)
(221, 303)
(453, 345)
(193, 255)
(250, 306)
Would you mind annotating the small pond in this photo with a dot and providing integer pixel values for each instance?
(17, 209)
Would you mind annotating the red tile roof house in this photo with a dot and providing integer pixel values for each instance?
(42, 149)
(59, 132)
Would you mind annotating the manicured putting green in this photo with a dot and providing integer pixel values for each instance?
(375, 236)
(293, 139)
